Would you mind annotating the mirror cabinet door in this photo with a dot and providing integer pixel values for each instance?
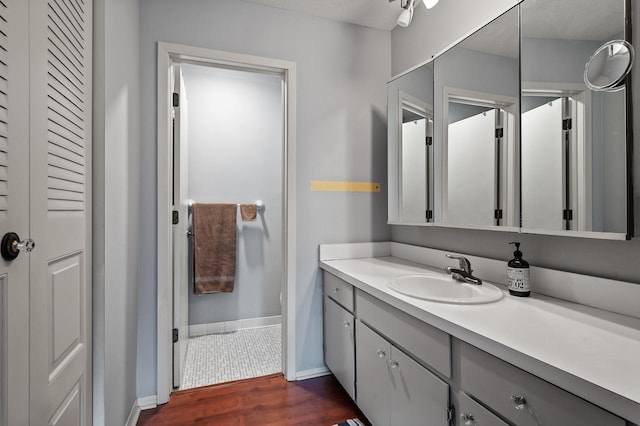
(502, 132)
(410, 115)
(476, 94)
(574, 140)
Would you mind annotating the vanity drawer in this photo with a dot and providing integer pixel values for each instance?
(425, 342)
(339, 290)
(470, 413)
(499, 384)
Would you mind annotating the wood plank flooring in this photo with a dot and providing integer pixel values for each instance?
(269, 400)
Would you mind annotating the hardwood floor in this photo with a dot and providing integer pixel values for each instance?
(269, 400)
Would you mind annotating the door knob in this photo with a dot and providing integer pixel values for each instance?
(11, 246)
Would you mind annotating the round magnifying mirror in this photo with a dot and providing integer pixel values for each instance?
(609, 65)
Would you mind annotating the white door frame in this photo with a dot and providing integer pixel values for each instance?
(511, 106)
(582, 147)
(168, 55)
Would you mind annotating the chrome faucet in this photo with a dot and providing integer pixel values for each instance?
(464, 273)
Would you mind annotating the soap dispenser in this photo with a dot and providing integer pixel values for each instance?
(518, 274)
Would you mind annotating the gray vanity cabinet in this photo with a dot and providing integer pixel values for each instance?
(522, 398)
(339, 344)
(404, 368)
(339, 341)
(470, 413)
(372, 360)
(393, 389)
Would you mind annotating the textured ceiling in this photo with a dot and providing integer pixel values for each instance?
(380, 14)
(592, 19)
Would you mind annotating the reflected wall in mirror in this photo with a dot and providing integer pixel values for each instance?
(574, 140)
(477, 108)
(410, 114)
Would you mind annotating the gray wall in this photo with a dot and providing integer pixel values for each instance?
(429, 34)
(116, 163)
(235, 156)
(341, 135)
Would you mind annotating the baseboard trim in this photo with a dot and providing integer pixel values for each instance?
(230, 326)
(313, 373)
(148, 402)
(133, 414)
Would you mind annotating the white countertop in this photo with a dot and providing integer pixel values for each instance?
(592, 353)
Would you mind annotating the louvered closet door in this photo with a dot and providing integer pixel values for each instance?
(60, 152)
(14, 209)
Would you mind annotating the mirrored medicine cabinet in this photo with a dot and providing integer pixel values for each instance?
(504, 130)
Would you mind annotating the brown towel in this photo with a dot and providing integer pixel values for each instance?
(248, 212)
(214, 247)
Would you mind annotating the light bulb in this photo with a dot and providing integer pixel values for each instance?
(429, 3)
(405, 17)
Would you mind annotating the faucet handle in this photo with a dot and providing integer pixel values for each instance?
(465, 265)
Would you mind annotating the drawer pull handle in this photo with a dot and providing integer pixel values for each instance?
(335, 290)
(394, 364)
(346, 324)
(381, 354)
(467, 419)
(519, 401)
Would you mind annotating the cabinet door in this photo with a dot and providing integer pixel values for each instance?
(417, 396)
(372, 375)
(470, 413)
(339, 344)
(523, 398)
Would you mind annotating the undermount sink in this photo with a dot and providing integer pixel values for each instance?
(443, 288)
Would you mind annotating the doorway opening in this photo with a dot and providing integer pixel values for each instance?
(480, 142)
(557, 128)
(226, 136)
(228, 126)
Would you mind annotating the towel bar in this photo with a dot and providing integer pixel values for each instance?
(259, 204)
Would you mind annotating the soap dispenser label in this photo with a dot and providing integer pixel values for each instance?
(518, 279)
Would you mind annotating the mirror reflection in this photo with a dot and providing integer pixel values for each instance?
(609, 65)
(410, 103)
(573, 139)
(416, 141)
(477, 101)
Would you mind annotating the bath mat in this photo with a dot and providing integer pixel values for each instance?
(350, 422)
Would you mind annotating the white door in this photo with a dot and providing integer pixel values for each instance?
(414, 171)
(542, 192)
(180, 239)
(14, 206)
(471, 178)
(60, 58)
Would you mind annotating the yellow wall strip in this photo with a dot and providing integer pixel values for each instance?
(334, 186)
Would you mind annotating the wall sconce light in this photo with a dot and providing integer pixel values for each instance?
(406, 15)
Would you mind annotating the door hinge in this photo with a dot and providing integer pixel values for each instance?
(176, 100)
(567, 214)
(429, 214)
(566, 124)
(175, 335)
(497, 214)
(429, 140)
(174, 217)
(451, 414)
(499, 133)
